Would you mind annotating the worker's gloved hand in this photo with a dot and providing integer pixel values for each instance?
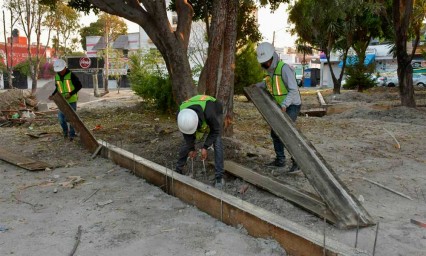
(192, 154)
(68, 95)
(204, 154)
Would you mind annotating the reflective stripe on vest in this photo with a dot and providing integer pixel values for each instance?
(276, 87)
(199, 100)
(66, 86)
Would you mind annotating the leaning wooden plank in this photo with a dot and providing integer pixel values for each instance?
(22, 161)
(298, 197)
(86, 136)
(321, 99)
(332, 190)
(294, 238)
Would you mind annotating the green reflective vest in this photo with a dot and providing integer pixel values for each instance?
(276, 86)
(65, 87)
(199, 100)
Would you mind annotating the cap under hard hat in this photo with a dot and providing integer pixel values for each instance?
(265, 51)
(187, 121)
(59, 65)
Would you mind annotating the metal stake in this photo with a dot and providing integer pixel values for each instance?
(325, 223)
(204, 170)
(375, 239)
(357, 230)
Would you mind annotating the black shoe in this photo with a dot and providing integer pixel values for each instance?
(294, 168)
(276, 163)
(220, 183)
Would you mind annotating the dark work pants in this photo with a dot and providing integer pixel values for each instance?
(64, 124)
(293, 112)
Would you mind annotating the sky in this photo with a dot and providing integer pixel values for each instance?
(268, 23)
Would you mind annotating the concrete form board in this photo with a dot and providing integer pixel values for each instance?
(295, 239)
(333, 191)
(86, 136)
(294, 195)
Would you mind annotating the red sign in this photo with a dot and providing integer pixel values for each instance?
(85, 62)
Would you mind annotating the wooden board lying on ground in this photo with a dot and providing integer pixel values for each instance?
(86, 136)
(294, 238)
(347, 209)
(298, 197)
(22, 161)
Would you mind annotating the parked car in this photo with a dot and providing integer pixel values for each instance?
(419, 80)
(380, 80)
(392, 81)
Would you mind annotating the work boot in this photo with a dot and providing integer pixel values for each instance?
(276, 163)
(220, 183)
(294, 168)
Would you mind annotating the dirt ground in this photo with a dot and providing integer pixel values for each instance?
(120, 213)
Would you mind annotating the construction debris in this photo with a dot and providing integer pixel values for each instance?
(22, 161)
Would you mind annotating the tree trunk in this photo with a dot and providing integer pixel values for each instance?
(225, 92)
(172, 44)
(402, 11)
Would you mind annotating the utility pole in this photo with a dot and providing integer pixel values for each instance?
(273, 38)
(107, 28)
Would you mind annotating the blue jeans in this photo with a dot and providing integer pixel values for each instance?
(293, 112)
(218, 157)
(64, 124)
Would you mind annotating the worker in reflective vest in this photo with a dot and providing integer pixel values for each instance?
(68, 85)
(201, 117)
(282, 85)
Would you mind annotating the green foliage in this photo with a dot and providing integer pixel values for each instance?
(149, 79)
(247, 69)
(359, 77)
(247, 27)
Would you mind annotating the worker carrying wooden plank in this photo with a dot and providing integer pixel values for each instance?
(281, 83)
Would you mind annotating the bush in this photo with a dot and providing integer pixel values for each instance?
(149, 79)
(247, 70)
(359, 77)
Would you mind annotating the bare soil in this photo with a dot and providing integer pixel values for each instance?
(359, 138)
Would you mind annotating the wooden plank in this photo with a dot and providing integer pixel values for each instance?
(86, 136)
(294, 238)
(321, 99)
(332, 190)
(22, 161)
(294, 195)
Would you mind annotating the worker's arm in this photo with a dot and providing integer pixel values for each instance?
(77, 84)
(293, 96)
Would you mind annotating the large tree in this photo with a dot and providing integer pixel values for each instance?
(152, 17)
(65, 22)
(408, 16)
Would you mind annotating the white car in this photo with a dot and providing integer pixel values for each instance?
(419, 80)
(392, 81)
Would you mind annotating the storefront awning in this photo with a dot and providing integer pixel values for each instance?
(352, 60)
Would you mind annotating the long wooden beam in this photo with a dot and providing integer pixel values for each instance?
(349, 212)
(86, 137)
(295, 239)
(289, 193)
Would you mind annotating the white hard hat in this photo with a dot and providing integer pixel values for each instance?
(265, 51)
(187, 121)
(59, 65)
